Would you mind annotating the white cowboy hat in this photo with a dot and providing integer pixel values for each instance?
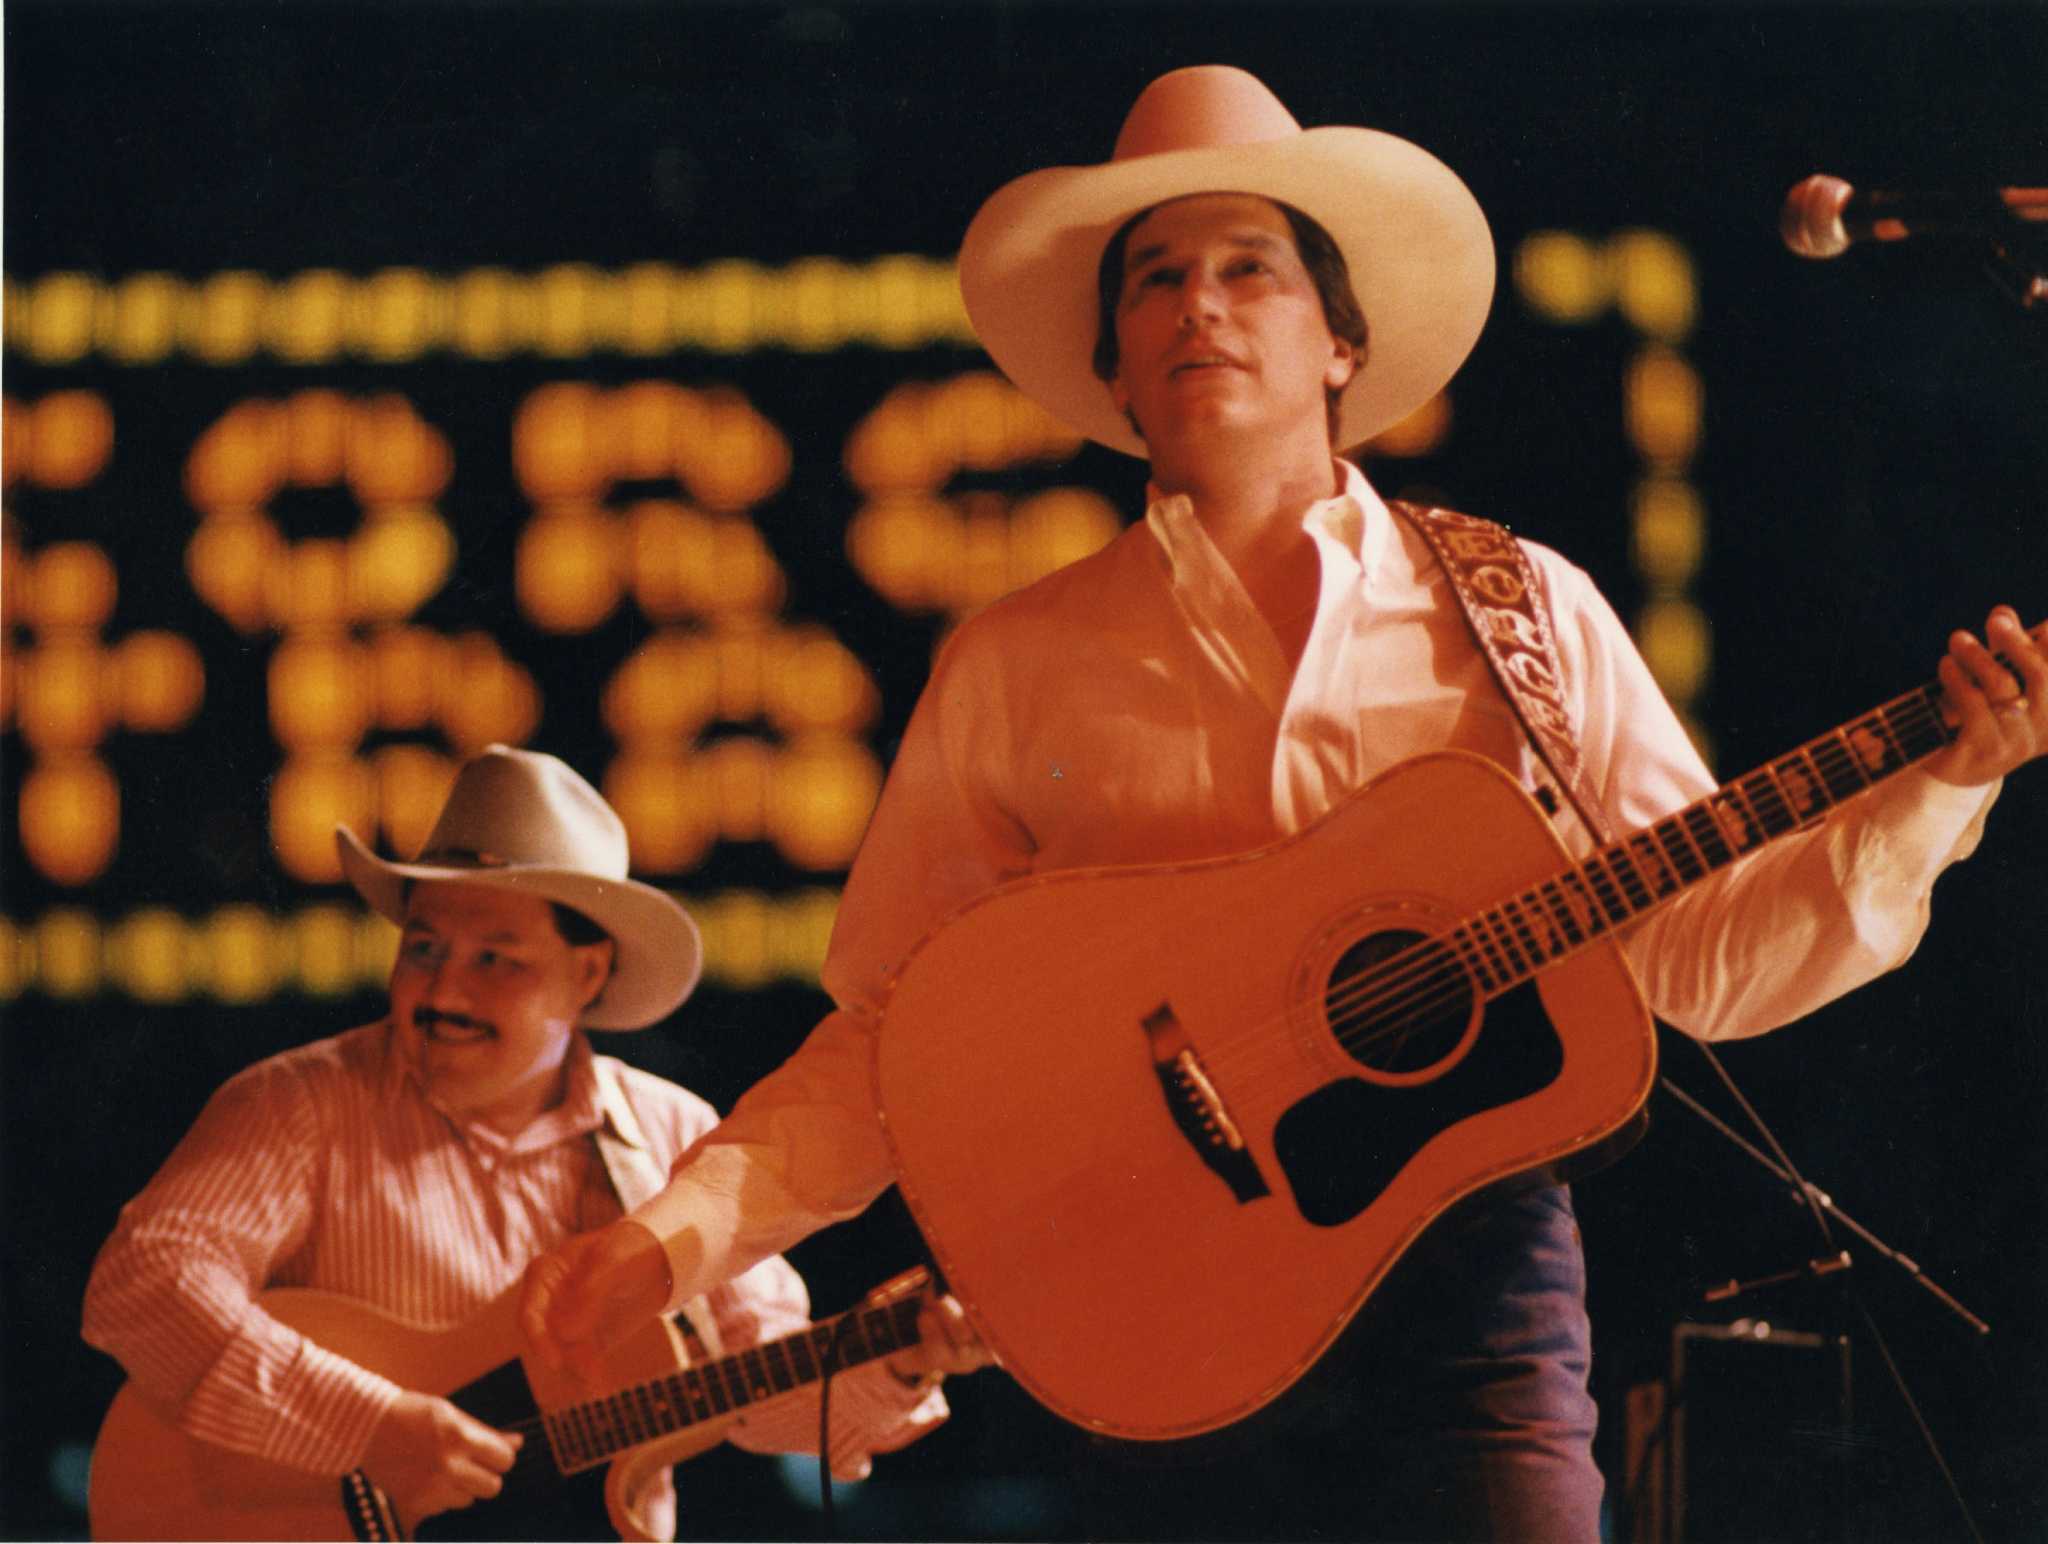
(1420, 255)
(519, 820)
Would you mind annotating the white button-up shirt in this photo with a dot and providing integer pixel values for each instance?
(1135, 707)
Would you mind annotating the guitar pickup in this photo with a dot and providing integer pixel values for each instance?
(1197, 1107)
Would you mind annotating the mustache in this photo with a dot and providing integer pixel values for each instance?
(425, 1019)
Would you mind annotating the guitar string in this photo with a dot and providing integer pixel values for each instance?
(1379, 983)
(1435, 963)
(1439, 975)
(1382, 984)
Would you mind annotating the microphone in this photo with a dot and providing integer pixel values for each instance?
(1823, 215)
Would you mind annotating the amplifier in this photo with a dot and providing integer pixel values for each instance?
(1749, 1438)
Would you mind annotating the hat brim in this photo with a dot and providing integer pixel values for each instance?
(1417, 244)
(658, 954)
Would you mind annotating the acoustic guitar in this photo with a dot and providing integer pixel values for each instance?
(152, 1481)
(1166, 1127)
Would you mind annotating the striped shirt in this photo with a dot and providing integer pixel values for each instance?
(328, 1167)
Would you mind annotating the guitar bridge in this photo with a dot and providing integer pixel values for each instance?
(1198, 1109)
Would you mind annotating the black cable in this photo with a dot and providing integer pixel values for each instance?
(828, 1520)
(1806, 1193)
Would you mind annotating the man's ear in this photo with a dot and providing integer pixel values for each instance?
(1343, 365)
(1122, 401)
(593, 970)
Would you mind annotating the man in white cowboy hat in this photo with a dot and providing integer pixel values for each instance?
(1236, 299)
(418, 1163)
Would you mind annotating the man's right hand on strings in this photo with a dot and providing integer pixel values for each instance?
(428, 1456)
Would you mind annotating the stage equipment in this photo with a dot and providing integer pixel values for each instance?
(1823, 216)
(1834, 1264)
(1749, 1437)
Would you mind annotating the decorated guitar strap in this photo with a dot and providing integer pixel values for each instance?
(635, 1176)
(1506, 610)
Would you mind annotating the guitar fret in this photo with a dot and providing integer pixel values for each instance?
(1634, 886)
(578, 1434)
(1561, 910)
(1923, 730)
(714, 1389)
(1842, 772)
(1495, 933)
(561, 1440)
(1691, 848)
(879, 1331)
(1880, 725)
(776, 1359)
(694, 1392)
(1518, 934)
(586, 1432)
(851, 1350)
(669, 1413)
(1473, 960)
(1652, 866)
(1765, 799)
(756, 1370)
(1738, 830)
(1536, 906)
(800, 1355)
(1576, 888)
(730, 1377)
(1496, 958)
(1807, 784)
(620, 1420)
(1599, 873)
(611, 1429)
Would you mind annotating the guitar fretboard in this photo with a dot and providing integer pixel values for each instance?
(1509, 943)
(593, 1431)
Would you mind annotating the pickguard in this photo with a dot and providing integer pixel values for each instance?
(1342, 1146)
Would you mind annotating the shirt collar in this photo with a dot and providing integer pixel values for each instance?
(1355, 517)
(589, 1102)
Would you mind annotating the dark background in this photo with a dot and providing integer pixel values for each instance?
(1875, 468)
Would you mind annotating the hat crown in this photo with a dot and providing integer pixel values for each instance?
(1203, 107)
(520, 809)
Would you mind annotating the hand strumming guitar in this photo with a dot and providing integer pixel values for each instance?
(429, 1456)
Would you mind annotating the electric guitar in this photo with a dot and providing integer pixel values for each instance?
(152, 1481)
(1165, 1128)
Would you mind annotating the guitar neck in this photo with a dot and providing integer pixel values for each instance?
(592, 1431)
(1630, 878)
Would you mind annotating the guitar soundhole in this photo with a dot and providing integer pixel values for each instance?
(1401, 1005)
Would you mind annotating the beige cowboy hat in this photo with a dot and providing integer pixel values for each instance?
(1420, 255)
(520, 820)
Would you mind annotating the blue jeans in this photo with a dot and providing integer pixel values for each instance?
(1455, 1408)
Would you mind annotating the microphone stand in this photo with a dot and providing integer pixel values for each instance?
(1821, 1205)
(2018, 279)
(1817, 1197)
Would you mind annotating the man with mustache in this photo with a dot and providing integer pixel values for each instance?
(417, 1164)
(1236, 300)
